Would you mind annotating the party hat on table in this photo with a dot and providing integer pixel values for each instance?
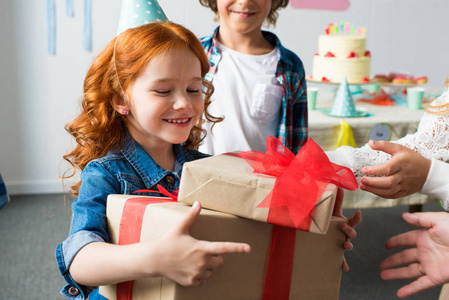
(344, 106)
(139, 12)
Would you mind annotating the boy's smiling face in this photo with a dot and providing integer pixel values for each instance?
(243, 16)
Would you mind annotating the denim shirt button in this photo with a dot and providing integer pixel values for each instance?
(73, 291)
(170, 179)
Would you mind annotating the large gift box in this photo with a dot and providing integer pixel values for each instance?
(284, 263)
(275, 187)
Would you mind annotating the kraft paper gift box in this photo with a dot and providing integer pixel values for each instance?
(315, 269)
(304, 185)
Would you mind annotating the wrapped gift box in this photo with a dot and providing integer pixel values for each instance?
(227, 183)
(316, 268)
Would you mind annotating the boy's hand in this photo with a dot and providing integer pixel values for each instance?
(349, 227)
(189, 261)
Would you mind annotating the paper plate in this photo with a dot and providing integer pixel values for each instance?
(397, 85)
(359, 113)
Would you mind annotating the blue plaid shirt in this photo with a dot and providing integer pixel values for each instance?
(292, 128)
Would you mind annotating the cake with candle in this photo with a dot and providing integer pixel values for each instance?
(342, 53)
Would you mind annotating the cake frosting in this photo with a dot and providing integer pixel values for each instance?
(342, 55)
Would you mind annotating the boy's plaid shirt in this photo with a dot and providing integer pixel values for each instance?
(292, 127)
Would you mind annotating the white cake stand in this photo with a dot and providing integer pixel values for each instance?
(309, 79)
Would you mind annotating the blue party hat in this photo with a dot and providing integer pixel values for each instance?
(344, 106)
(139, 12)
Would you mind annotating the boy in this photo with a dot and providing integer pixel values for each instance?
(260, 86)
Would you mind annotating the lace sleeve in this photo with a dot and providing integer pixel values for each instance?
(431, 140)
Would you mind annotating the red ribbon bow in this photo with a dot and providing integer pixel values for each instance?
(301, 180)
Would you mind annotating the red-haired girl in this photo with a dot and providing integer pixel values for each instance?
(140, 121)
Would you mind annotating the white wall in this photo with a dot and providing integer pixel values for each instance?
(40, 92)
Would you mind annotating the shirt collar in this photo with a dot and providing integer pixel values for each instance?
(150, 172)
(269, 36)
(274, 40)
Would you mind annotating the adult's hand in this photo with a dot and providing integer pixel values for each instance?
(428, 259)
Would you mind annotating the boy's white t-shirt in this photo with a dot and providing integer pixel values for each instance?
(248, 96)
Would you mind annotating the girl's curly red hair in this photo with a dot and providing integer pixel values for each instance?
(99, 128)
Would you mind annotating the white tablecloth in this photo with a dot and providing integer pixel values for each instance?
(323, 129)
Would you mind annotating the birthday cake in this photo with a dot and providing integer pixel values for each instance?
(342, 53)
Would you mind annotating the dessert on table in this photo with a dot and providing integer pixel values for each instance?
(400, 78)
(342, 53)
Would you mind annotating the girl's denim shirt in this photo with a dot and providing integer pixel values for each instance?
(122, 171)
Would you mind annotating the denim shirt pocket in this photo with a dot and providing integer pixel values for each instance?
(130, 184)
(266, 102)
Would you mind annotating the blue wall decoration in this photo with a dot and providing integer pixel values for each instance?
(51, 24)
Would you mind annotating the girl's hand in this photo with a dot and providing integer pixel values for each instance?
(401, 176)
(189, 261)
(349, 227)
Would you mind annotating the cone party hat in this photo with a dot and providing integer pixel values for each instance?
(135, 13)
(344, 106)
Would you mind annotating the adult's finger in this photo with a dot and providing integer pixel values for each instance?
(405, 257)
(409, 272)
(406, 239)
(423, 219)
(421, 284)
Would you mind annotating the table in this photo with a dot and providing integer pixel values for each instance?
(323, 130)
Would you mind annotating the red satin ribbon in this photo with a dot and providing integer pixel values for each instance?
(301, 180)
(280, 264)
(161, 190)
(131, 227)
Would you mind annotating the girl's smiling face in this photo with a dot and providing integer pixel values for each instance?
(166, 100)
